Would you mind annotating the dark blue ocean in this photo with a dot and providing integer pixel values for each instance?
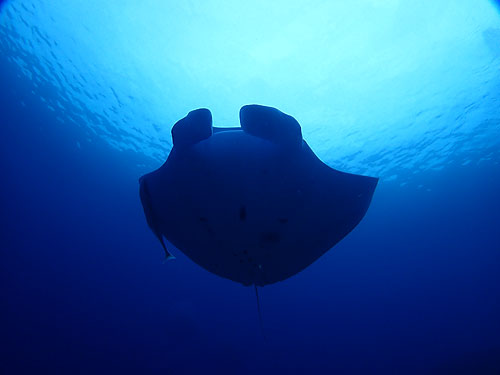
(405, 91)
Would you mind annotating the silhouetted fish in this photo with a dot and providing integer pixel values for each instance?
(251, 204)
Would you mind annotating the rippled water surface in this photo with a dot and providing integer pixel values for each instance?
(386, 88)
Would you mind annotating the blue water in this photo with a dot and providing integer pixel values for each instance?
(402, 90)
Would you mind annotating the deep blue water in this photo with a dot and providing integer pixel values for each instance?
(414, 289)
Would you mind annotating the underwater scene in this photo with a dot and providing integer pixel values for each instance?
(250, 187)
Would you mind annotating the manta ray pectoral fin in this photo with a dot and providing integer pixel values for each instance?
(150, 215)
(271, 124)
(193, 128)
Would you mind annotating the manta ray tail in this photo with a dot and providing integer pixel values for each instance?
(260, 314)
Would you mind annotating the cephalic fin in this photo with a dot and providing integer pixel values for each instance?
(271, 124)
(193, 128)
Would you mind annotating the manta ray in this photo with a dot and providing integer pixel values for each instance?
(252, 204)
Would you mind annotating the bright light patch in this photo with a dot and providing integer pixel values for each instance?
(380, 87)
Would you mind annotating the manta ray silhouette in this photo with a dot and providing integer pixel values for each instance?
(251, 204)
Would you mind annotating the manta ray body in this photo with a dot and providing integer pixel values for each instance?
(253, 204)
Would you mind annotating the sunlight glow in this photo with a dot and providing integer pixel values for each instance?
(376, 85)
